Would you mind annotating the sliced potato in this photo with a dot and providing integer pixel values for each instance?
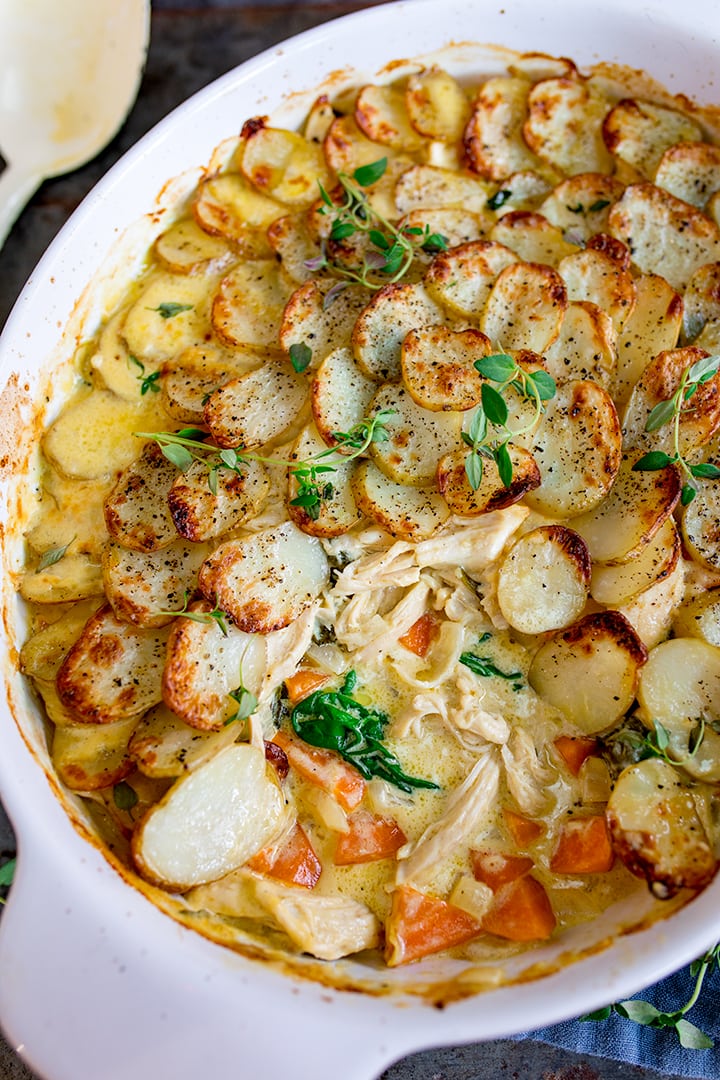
(142, 587)
(201, 514)
(662, 231)
(136, 511)
(340, 395)
(93, 756)
(461, 279)
(112, 365)
(597, 277)
(494, 143)
(248, 306)
(585, 347)
(113, 671)
(211, 821)
(698, 617)
(164, 746)
(589, 672)
(564, 126)
(437, 105)
(170, 314)
(653, 326)
(613, 585)
(417, 437)
(74, 577)
(230, 207)
(580, 204)
(323, 328)
(626, 520)
(455, 225)
(290, 239)
(531, 237)
(525, 307)
(650, 612)
(537, 65)
(701, 525)
(657, 831)
(438, 370)
(381, 114)
(491, 494)
(282, 164)
(188, 379)
(347, 148)
(43, 652)
(522, 190)
(422, 187)
(543, 580)
(690, 171)
(408, 513)
(702, 300)
(256, 407)
(681, 683)
(266, 580)
(382, 326)
(337, 513)
(639, 133)
(319, 119)
(185, 248)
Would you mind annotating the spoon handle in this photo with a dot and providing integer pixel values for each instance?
(17, 185)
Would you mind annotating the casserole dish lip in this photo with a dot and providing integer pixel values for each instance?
(33, 815)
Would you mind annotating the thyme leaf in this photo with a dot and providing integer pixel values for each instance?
(169, 309)
(217, 616)
(125, 797)
(52, 556)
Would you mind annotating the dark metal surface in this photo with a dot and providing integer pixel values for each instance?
(191, 45)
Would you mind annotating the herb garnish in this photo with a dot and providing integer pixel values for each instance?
(245, 700)
(600, 204)
(147, 382)
(642, 1012)
(485, 667)
(536, 386)
(184, 447)
(125, 797)
(499, 199)
(657, 743)
(217, 616)
(300, 356)
(334, 720)
(392, 249)
(671, 411)
(52, 556)
(7, 873)
(168, 309)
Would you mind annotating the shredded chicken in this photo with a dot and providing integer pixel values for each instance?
(471, 544)
(527, 778)
(396, 623)
(379, 570)
(324, 926)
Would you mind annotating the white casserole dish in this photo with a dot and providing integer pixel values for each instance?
(96, 981)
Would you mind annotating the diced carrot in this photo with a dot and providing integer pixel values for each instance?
(324, 769)
(521, 911)
(370, 837)
(421, 634)
(522, 829)
(303, 682)
(575, 751)
(584, 847)
(497, 868)
(419, 925)
(295, 862)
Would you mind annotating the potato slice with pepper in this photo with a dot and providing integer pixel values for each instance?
(580, 205)
(461, 279)
(585, 347)
(543, 581)
(438, 370)
(564, 126)
(248, 306)
(491, 493)
(453, 223)
(281, 163)
(337, 512)
(381, 327)
(690, 171)
(289, 237)
(340, 395)
(493, 139)
(201, 514)
(525, 307)
(163, 745)
(613, 585)
(417, 438)
(189, 379)
(211, 821)
(699, 524)
(229, 207)
(256, 407)
(531, 237)
(380, 113)
(422, 187)
(638, 133)
(136, 511)
(307, 319)
(437, 105)
(347, 148)
(653, 326)
(680, 683)
(142, 587)
(701, 300)
(408, 513)
(589, 671)
(597, 277)
(89, 757)
(699, 617)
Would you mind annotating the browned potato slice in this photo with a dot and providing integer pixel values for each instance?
(494, 144)
(409, 513)
(437, 367)
(256, 407)
(580, 205)
(629, 516)
(652, 327)
(113, 671)
(43, 653)
(595, 276)
(650, 612)
(237, 808)
(248, 306)
(585, 347)
(381, 327)
(437, 105)
(658, 382)
(381, 114)
(525, 307)
(491, 494)
(282, 164)
(613, 585)
(639, 133)
(290, 239)
(589, 672)
(170, 314)
(701, 525)
(165, 746)
(417, 437)
(93, 756)
(461, 279)
(189, 379)
(198, 514)
(664, 232)
(323, 329)
(185, 248)
(142, 586)
(340, 395)
(700, 617)
(702, 300)
(455, 225)
(681, 683)
(564, 126)
(657, 831)
(543, 580)
(137, 514)
(347, 148)
(337, 513)
(531, 237)
(537, 65)
(230, 207)
(74, 577)
(424, 186)
(266, 580)
(523, 190)
(690, 171)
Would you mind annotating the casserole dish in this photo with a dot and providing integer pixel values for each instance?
(513, 1009)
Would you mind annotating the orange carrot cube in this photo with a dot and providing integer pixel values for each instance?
(370, 837)
(574, 751)
(303, 682)
(324, 769)
(584, 847)
(521, 911)
(419, 925)
(295, 862)
(522, 829)
(497, 868)
(421, 634)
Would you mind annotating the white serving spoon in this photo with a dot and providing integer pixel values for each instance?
(69, 73)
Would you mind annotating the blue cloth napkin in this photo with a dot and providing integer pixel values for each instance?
(652, 1048)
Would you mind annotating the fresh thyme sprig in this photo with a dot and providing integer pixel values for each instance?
(391, 249)
(147, 382)
(671, 411)
(493, 413)
(658, 742)
(52, 556)
(184, 447)
(216, 616)
(643, 1012)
